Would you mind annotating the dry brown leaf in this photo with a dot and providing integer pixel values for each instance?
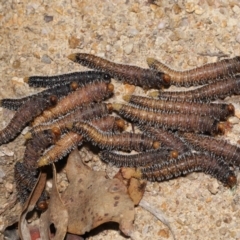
(91, 199)
(56, 215)
(24, 230)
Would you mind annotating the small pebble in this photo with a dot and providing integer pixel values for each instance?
(9, 187)
(128, 48)
(48, 18)
(46, 59)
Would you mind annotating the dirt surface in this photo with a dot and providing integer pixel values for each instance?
(35, 38)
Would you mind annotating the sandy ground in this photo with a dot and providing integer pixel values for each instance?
(35, 38)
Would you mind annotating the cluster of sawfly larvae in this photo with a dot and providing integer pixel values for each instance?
(177, 129)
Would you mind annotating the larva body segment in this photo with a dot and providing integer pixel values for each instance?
(187, 163)
(124, 141)
(82, 113)
(71, 140)
(215, 110)
(63, 79)
(211, 92)
(130, 74)
(134, 160)
(37, 145)
(24, 115)
(205, 74)
(179, 121)
(59, 91)
(92, 92)
(167, 138)
(231, 153)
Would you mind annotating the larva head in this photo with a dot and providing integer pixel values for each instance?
(42, 206)
(74, 86)
(156, 145)
(56, 133)
(120, 123)
(166, 79)
(220, 128)
(231, 109)
(72, 57)
(174, 154)
(127, 98)
(53, 100)
(110, 88)
(231, 180)
(109, 107)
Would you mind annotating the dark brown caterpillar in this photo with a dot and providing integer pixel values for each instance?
(146, 78)
(187, 163)
(216, 110)
(134, 160)
(231, 153)
(207, 73)
(82, 113)
(59, 91)
(168, 139)
(24, 115)
(72, 140)
(63, 79)
(177, 121)
(91, 92)
(124, 141)
(211, 92)
(26, 173)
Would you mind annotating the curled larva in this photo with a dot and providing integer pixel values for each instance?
(207, 73)
(124, 141)
(216, 110)
(63, 79)
(147, 78)
(187, 163)
(135, 160)
(230, 152)
(72, 140)
(167, 138)
(24, 115)
(210, 92)
(59, 91)
(92, 92)
(86, 112)
(177, 121)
